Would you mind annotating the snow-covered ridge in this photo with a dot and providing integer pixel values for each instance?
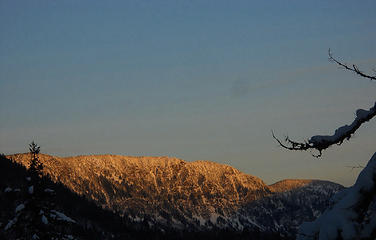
(170, 191)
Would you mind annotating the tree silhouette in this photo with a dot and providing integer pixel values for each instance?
(322, 142)
(36, 166)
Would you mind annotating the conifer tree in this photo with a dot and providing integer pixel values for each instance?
(35, 165)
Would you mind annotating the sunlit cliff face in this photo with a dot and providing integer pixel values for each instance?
(120, 181)
(163, 188)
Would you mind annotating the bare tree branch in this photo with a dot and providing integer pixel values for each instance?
(352, 68)
(296, 146)
(322, 142)
(355, 167)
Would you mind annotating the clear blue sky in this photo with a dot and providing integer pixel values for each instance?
(197, 80)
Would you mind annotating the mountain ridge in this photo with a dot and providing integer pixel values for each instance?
(286, 184)
(175, 193)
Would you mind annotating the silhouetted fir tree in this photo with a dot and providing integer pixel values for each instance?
(36, 166)
(36, 190)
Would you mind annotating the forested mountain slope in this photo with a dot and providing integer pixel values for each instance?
(165, 192)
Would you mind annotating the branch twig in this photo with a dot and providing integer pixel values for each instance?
(352, 68)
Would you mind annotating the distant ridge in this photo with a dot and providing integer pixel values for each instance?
(172, 192)
(290, 184)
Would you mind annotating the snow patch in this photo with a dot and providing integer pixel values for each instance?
(200, 219)
(137, 219)
(31, 189)
(20, 207)
(361, 116)
(10, 223)
(8, 189)
(48, 190)
(61, 216)
(214, 217)
(256, 224)
(44, 220)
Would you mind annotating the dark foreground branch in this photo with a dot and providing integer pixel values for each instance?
(322, 142)
(352, 68)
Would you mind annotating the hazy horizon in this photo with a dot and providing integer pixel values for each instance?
(197, 80)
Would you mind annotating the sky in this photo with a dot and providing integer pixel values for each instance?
(197, 80)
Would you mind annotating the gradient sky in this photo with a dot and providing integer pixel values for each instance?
(198, 80)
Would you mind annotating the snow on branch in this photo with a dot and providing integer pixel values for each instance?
(322, 142)
(352, 68)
